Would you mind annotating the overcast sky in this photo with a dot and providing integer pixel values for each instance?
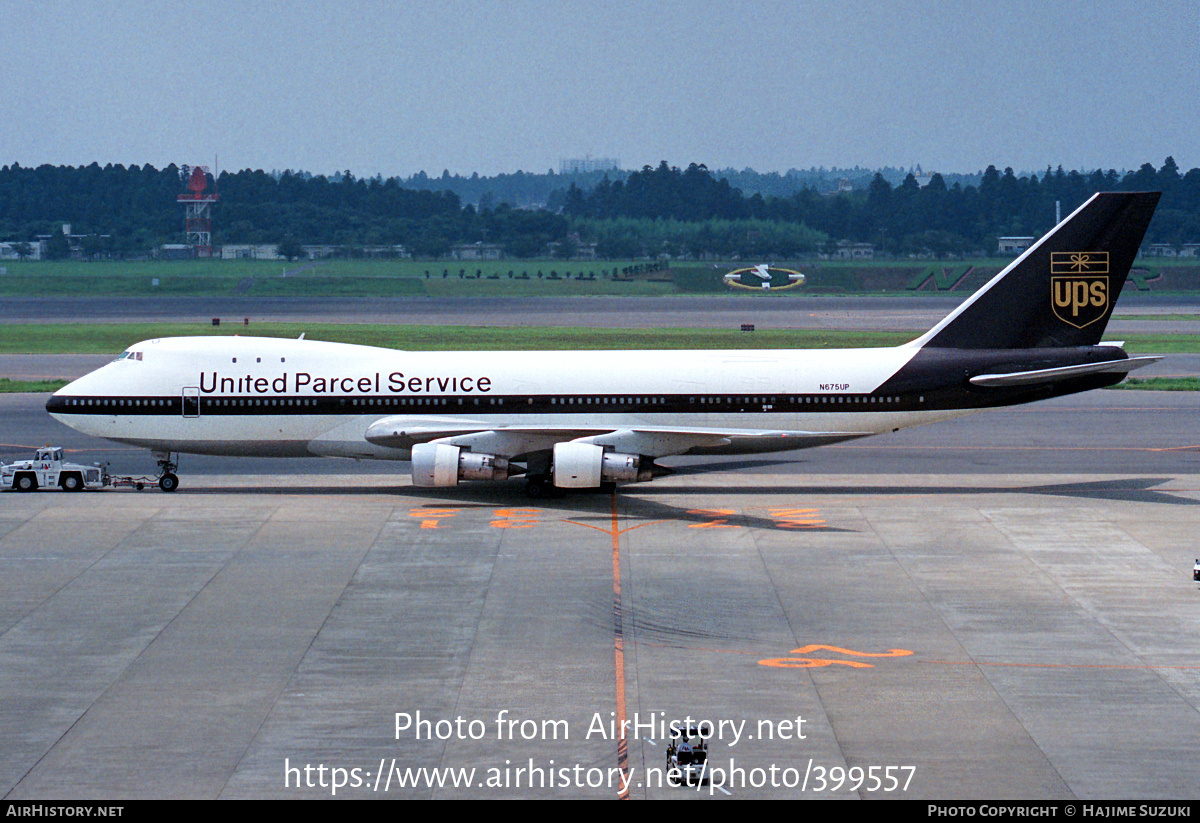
(377, 86)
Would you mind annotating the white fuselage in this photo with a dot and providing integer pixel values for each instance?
(276, 397)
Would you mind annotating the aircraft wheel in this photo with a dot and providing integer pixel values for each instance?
(535, 488)
(168, 482)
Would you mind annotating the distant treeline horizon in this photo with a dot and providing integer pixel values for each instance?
(692, 212)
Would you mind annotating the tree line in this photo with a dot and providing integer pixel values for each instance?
(904, 219)
(663, 210)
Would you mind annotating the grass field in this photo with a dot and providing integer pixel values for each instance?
(335, 278)
(1183, 318)
(71, 338)
(12, 386)
(400, 278)
(1160, 383)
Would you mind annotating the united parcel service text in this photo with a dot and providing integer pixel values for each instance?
(300, 382)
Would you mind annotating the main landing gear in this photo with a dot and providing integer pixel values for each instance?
(542, 486)
(539, 487)
(167, 465)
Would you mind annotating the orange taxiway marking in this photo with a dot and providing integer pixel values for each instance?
(820, 662)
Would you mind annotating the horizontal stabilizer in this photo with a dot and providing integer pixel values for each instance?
(1029, 378)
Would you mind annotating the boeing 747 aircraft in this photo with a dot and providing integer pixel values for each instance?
(591, 419)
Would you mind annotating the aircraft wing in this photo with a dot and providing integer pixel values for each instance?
(651, 441)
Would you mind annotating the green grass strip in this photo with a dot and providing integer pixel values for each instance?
(13, 386)
(1159, 384)
(87, 338)
(66, 338)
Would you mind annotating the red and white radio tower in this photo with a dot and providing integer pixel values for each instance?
(198, 212)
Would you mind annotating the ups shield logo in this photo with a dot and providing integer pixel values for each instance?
(1079, 287)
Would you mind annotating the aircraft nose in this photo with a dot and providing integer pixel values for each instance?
(58, 401)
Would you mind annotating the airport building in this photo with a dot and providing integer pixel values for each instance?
(1013, 245)
(477, 251)
(9, 250)
(855, 251)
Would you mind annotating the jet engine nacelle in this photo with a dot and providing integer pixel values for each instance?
(586, 466)
(436, 464)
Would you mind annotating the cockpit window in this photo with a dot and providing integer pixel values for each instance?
(129, 355)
